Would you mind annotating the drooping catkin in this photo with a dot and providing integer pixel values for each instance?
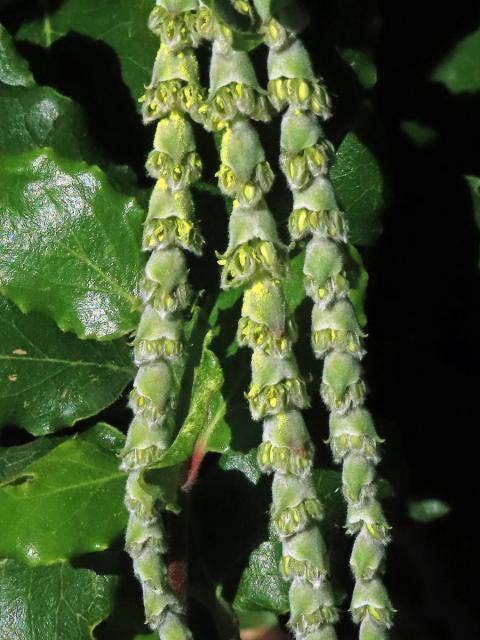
(257, 260)
(336, 335)
(173, 96)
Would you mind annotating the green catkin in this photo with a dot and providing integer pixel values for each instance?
(336, 335)
(171, 98)
(256, 259)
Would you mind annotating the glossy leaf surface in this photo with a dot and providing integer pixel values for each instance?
(52, 379)
(71, 244)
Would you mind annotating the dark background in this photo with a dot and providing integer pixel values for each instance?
(423, 310)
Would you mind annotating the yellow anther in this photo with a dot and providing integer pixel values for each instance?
(149, 346)
(273, 402)
(302, 219)
(375, 613)
(321, 293)
(272, 30)
(266, 252)
(150, 241)
(355, 442)
(372, 530)
(303, 90)
(249, 191)
(296, 515)
(242, 257)
(313, 218)
(238, 89)
(316, 105)
(140, 401)
(317, 157)
(333, 334)
(280, 89)
(222, 262)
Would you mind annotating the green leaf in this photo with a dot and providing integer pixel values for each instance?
(257, 619)
(421, 135)
(49, 603)
(427, 510)
(105, 436)
(65, 503)
(246, 463)
(293, 284)
(204, 428)
(35, 117)
(474, 185)
(328, 484)
(358, 278)
(50, 380)
(459, 71)
(362, 65)
(261, 587)
(13, 460)
(13, 68)
(70, 244)
(121, 25)
(358, 182)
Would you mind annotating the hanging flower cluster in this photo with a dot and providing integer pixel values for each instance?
(172, 98)
(256, 260)
(336, 335)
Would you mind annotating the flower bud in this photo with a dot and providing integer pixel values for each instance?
(325, 278)
(358, 476)
(367, 556)
(353, 432)
(286, 445)
(151, 391)
(299, 131)
(162, 609)
(291, 62)
(270, 369)
(304, 555)
(241, 149)
(310, 606)
(264, 304)
(165, 285)
(157, 337)
(369, 516)
(145, 444)
(336, 328)
(323, 224)
(140, 534)
(342, 386)
(180, 66)
(318, 196)
(175, 25)
(370, 600)
(295, 504)
(174, 137)
(230, 66)
(371, 630)
(140, 498)
(248, 224)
